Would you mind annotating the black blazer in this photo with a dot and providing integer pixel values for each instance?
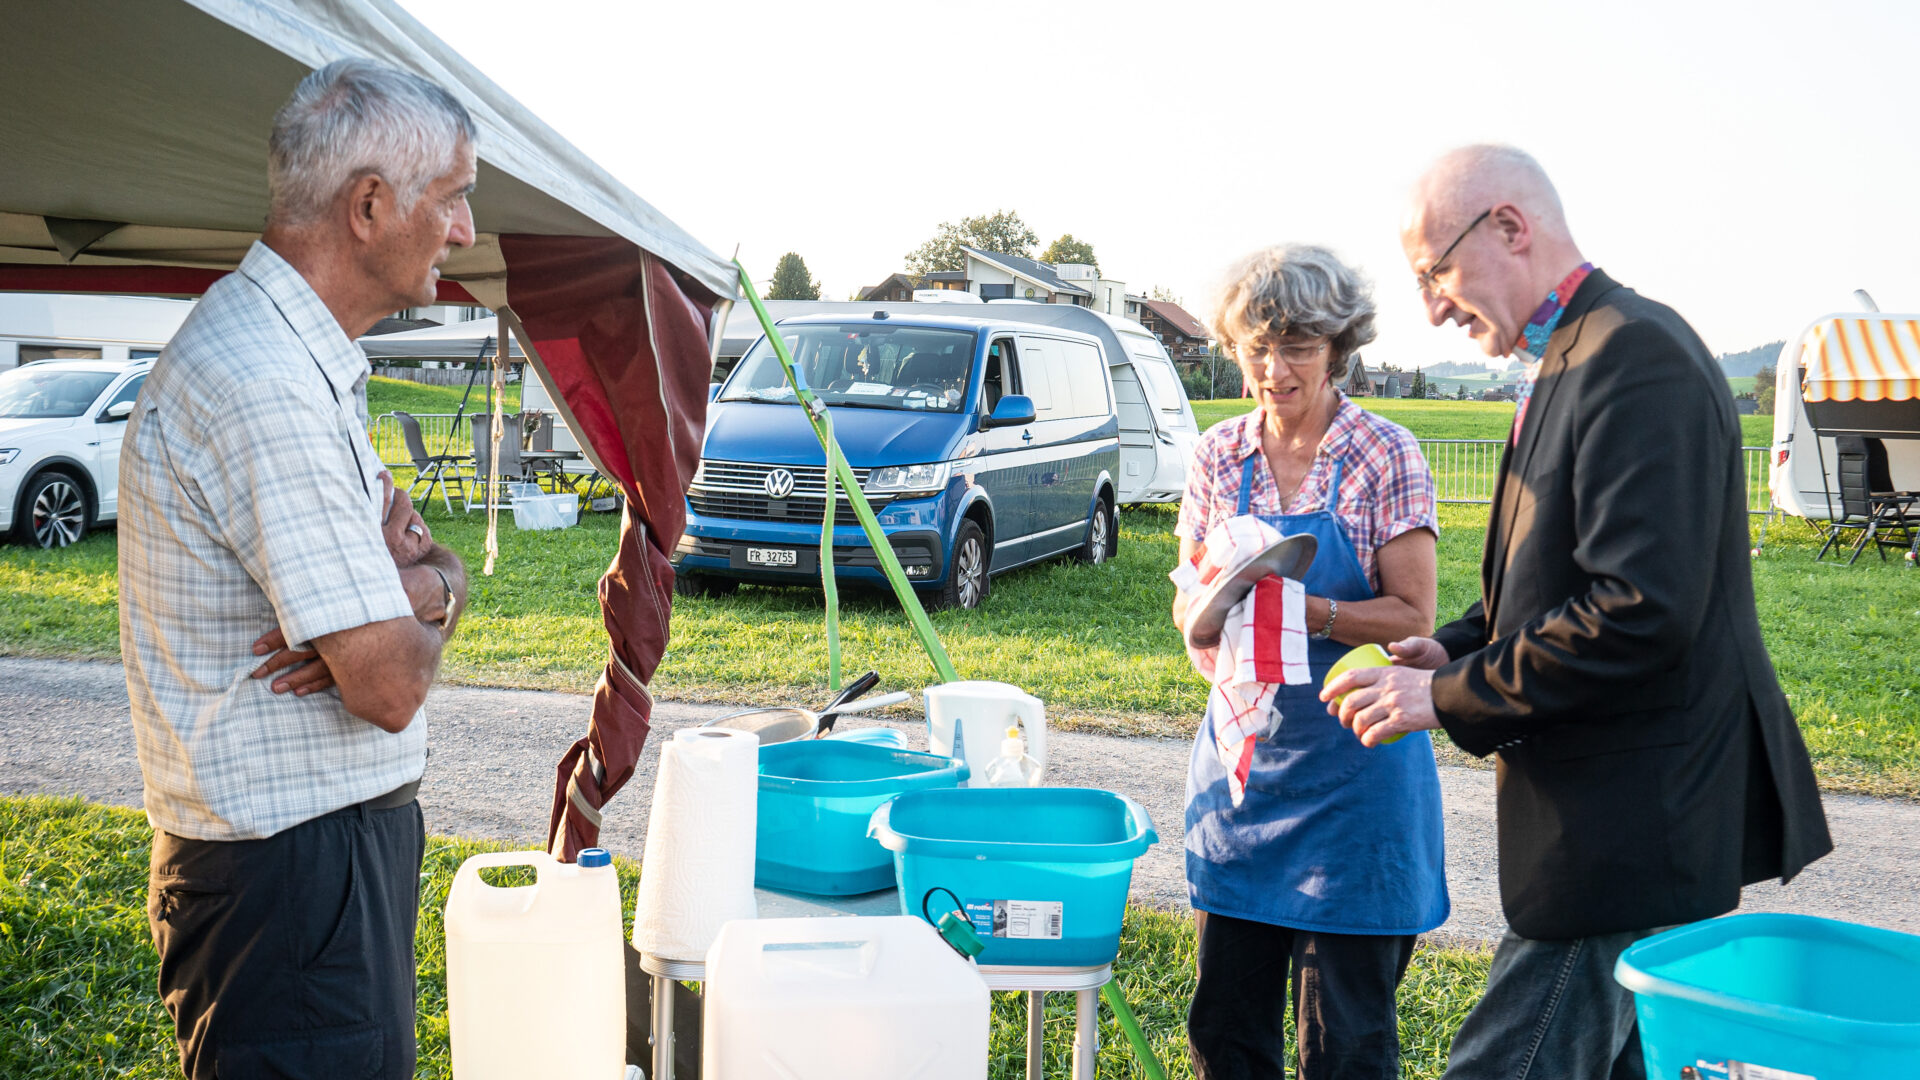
(1649, 764)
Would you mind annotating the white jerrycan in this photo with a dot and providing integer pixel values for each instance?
(853, 998)
(536, 984)
(969, 720)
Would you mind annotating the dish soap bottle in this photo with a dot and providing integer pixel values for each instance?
(1013, 768)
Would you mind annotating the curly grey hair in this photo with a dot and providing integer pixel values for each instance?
(355, 117)
(1297, 289)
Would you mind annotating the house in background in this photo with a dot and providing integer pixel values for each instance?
(993, 276)
(898, 288)
(1182, 334)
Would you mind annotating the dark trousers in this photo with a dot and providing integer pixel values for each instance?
(292, 957)
(1552, 1011)
(1346, 1025)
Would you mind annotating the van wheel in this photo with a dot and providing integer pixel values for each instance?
(53, 511)
(703, 585)
(968, 581)
(1103, 537)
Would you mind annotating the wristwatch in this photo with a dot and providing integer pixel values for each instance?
(451, 601)
(1333, 612)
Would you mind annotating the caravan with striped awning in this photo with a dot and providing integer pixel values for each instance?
(1845, 374)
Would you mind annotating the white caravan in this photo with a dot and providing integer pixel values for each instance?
(55, 326)
(1853, 373)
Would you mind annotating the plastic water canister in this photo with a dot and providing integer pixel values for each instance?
(536, 984)
(855, 998)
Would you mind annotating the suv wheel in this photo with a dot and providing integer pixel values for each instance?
(1103, 537)
(703, 585)
(53, 511)
(967, 580)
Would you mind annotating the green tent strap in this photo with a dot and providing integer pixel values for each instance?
(816, 411)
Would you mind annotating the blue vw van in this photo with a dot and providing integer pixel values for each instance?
(983, 445)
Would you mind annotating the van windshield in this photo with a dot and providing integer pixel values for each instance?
(865, 365)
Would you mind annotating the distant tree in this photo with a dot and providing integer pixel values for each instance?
(1763, 390)
(1419, 383)
(1460, 392)
(1068, 250)
(791, 280)
(1164, 295)
(1001, 232)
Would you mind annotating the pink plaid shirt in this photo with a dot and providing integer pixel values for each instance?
(1385, 486)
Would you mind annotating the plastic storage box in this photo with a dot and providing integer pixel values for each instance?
(1042, 873)
(1780, 997)
(545, 511)
(874, 998)
(816, 797)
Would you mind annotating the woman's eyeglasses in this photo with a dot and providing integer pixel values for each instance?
(1302, 355)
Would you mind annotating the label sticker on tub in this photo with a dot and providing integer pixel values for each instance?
(1740, 1070)
(1034, 920)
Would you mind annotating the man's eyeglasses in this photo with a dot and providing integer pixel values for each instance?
(1428, 276)
(1301, 355)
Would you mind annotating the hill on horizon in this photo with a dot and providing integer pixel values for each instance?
(1750, 361)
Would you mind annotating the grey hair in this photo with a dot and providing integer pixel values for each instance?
(1297, 289)
(355, 117)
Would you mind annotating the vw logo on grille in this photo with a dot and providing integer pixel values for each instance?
(779, 483)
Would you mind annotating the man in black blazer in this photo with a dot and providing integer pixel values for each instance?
(1648, 764)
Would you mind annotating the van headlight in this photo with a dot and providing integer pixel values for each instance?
(908, 479)
(7, 455)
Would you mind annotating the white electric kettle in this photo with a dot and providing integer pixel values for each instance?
(969, 720)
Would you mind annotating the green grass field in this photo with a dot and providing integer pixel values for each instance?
(1095, 642)
(77, 967)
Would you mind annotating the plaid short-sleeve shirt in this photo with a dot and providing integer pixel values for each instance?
(1385, 487)
(249, 499)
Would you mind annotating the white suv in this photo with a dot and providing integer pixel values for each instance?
(61, 425)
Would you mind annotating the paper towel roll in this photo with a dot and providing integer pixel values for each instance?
(697, 872)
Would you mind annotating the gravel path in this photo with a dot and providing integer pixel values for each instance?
(64, 730)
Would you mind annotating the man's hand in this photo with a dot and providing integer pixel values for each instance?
(1423, 653)
(309, 673)
(408, 538)
(1382, 702)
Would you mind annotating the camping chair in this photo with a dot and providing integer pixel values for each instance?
(1868, 505)
(512, 469)
(430, 469)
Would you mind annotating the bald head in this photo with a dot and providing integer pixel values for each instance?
(1488, 239)
(1461, 183)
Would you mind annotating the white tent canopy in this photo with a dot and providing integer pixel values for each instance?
(454, 341)
(166, 105)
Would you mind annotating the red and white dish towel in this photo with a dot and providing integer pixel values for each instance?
(1263, 643)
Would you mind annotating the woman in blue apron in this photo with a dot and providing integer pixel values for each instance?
(1333, 862)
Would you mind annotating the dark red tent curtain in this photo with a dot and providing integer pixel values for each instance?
(624, 337)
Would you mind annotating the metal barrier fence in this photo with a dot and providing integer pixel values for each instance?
(1464, 471)
(436, 430)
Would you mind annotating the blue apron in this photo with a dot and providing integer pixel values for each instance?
(1332, 837)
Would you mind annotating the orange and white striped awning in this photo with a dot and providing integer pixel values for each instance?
(1862, 358)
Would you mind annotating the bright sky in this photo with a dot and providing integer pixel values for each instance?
(1749, 163)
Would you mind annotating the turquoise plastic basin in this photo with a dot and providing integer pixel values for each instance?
(1790, 993)
(816, 797)
(1041, 872)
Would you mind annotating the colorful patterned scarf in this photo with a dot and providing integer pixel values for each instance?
(1533, 340)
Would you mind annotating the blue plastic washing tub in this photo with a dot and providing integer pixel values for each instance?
(1041, 872)
(816, 796)
(1809, 999)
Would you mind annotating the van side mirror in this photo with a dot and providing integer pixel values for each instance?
(713, 391)
(1012, 409)
(119, 410)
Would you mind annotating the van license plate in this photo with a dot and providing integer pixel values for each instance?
(772, 557)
